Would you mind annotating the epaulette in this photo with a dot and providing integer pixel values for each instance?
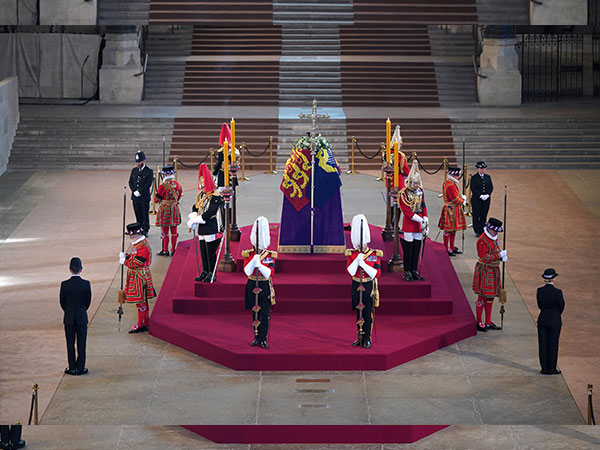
(246, 253)
(379, 253)
(349, 252)
(273, 253)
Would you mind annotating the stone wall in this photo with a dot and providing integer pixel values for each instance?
(9, 117)
(68, 12)
(559, 12)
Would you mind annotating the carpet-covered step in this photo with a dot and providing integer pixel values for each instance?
(371, 39)
(240, 40)
(301, 13)
(209, 12)
(335, 305)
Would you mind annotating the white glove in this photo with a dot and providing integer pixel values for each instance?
(137, 193)
(464, 197)
(484, 197)
(505, 258)
(502, 253)
(417, 218)
(191, 225)
(195, 218)
(121, 258)
(360, 257)
(256, 259)
(266, 272)
(370, 271)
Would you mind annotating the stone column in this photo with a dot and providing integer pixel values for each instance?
(120, 63)
(588, 66)
(558, 12)
(500, 83)
(9, 118)
(68, 12)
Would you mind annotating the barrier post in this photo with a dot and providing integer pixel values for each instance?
(352, 171)
(243, 151)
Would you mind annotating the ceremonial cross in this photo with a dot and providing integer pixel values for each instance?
(314, 116)
(313, 135)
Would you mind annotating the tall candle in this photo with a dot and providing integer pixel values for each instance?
(396, 165)
(226, 161)
(232, 126)
(388, 138)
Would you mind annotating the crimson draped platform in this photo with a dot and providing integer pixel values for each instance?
(315, 434)
(312, 324)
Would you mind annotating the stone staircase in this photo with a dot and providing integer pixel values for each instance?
(87, 143)
(452, 55)
(232, 13)
(389, 13)
(312, 12)
(123, 12)
(334, 130)
(301, 81)
(536, 143)
(513, 12)
(193, 137)
(240, 40)
(164, 79)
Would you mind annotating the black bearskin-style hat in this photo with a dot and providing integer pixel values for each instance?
(549, 274)
(480, 165)
(494, 224)
(454, 171)
(140, 156)
(75, 264)
(134, 228)
(168, 170)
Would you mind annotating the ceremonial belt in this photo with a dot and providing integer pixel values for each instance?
(138, 271)
(169, 201)
(449, 204)
(260, 278)
(364, 280)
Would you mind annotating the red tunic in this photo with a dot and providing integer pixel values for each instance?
(267, 259)
(266, 296)
(138, 273)
(371, 258)
(453, 216)
(412, 202)
(168, 194)
(486, 279)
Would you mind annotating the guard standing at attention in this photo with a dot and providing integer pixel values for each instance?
(481, 189)
(364, 266)
(140, 183)
(168, 216)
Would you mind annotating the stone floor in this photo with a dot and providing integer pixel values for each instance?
(456, 437)
(492, 378)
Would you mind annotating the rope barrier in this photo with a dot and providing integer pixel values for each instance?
(426, 171)
(193, 166)
(262, 153)
(368, 157)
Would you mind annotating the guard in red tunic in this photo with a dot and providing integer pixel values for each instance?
(486, 279)
(139, 287)
(259, 267)
(364, 266)
(415, 223)
(168, 215)
(453, 216)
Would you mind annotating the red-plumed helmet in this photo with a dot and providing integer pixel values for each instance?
(225, 134)
(205, 179)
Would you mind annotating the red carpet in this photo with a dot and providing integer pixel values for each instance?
(312, 324)
(314, 434)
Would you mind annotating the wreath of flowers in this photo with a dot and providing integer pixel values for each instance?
(321, 143)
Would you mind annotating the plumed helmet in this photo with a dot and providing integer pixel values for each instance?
(225, 134)
(414, 176)
(355, 231)
(205, 179)
(396, 137)
(264, 235)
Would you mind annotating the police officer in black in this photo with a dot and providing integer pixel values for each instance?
(10, 437)
(140, 182)
(551, 303)
(481, 190)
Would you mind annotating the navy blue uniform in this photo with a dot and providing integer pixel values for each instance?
(480, 185)
(551, 303)
(75, 299)
(141, 180)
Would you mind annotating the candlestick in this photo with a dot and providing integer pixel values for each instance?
(232, 126)
(388, 138)
(226, 162)
(396, 165)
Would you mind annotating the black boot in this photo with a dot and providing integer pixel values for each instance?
(212, 248)
(415, 261)
(406, 259)
(205, 261)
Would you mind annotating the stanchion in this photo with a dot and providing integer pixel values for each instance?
(271, 171)
(234, 231)
(388, 233)
(243, 152)
(175, 163)
(352, 171)
(33, 410)
(212, 159)
(154, 189)
(395, 263)
(227, 264)
(591, 418)
(382, 150)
